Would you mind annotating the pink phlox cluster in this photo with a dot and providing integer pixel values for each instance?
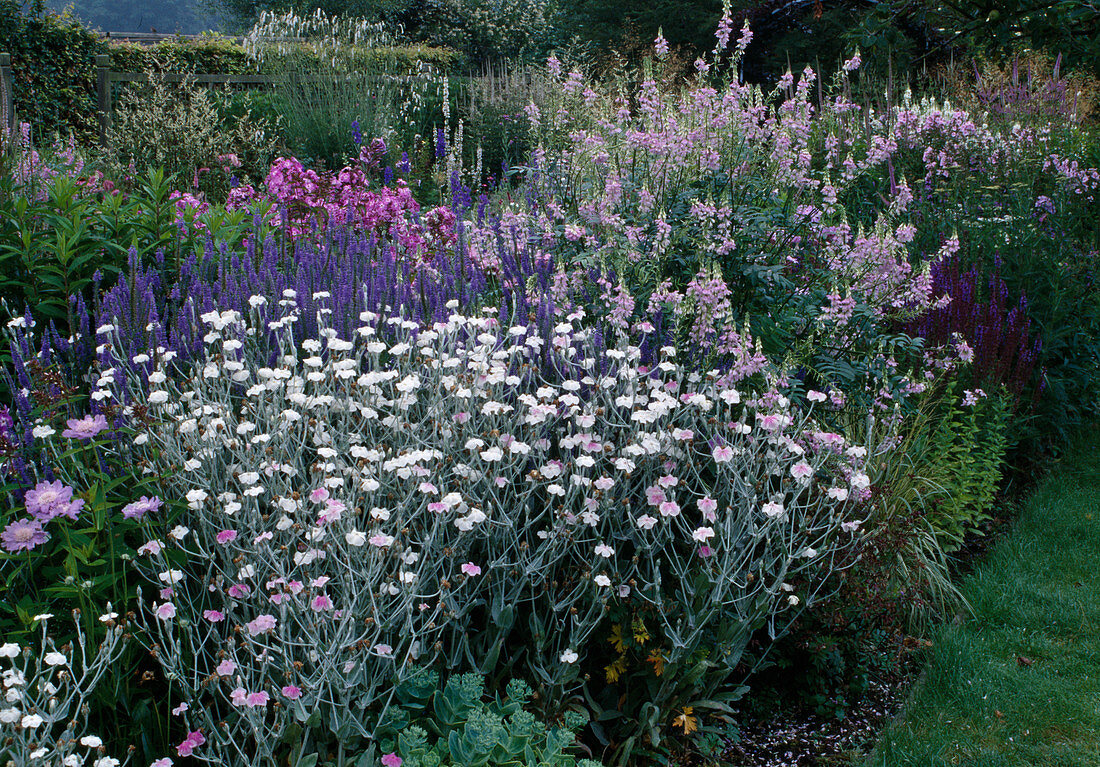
(189, 209)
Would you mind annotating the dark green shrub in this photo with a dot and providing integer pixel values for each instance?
(53, 67)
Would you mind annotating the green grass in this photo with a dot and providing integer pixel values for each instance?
(1018, 682)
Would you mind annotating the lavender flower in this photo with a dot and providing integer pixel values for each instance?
(23, 535)
(141, 507)
(85, 428)
(48, 500)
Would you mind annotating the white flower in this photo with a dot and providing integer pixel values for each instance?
(170, 576)
(602, 580)
(196, 497)
(569, 656)
(91, 741)
(703, 534)
(178, 532)
(42, 432)
(792, 600)
(31, 721)
(55, 659)
(105, 761)
(10, 715)
(605, 551)
(106, 617)
(38, 753)
(355, 538)
(9, 650)
(772, 510)
(809, 553)
(646, 522)
(158, 397)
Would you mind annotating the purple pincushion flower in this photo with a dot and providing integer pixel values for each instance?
(23, 535)
(85, 428)
(141, 507)
(51, 499)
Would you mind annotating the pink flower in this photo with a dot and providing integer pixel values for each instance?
(166, 611)
(292, 692)
(707, 505)
(319, 495)
(669, 509)
(646, 522)
(214, 616)
(320, 603)
(164, 761)
(239, 590)
(471, 569)
(255, 699)
(260, 624)
(391, 760)
(706, 551)
(225, 536)
(238, 696)
(722, 454)
(194, 740)
(226, 668)
(655, 496)
(180, 709)
(151, 547)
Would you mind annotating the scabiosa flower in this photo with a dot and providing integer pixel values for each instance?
(23, 535)
(46, 498)
(141, 507)
(86, 427)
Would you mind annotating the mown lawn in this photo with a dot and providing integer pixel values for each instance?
(1018, 681)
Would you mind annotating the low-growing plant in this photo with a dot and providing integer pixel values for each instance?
(459, 725)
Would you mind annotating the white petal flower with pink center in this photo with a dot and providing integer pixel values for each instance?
(646, 522)
(702, 534)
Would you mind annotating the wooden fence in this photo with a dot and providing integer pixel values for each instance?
(105, 78)
(7, 102)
